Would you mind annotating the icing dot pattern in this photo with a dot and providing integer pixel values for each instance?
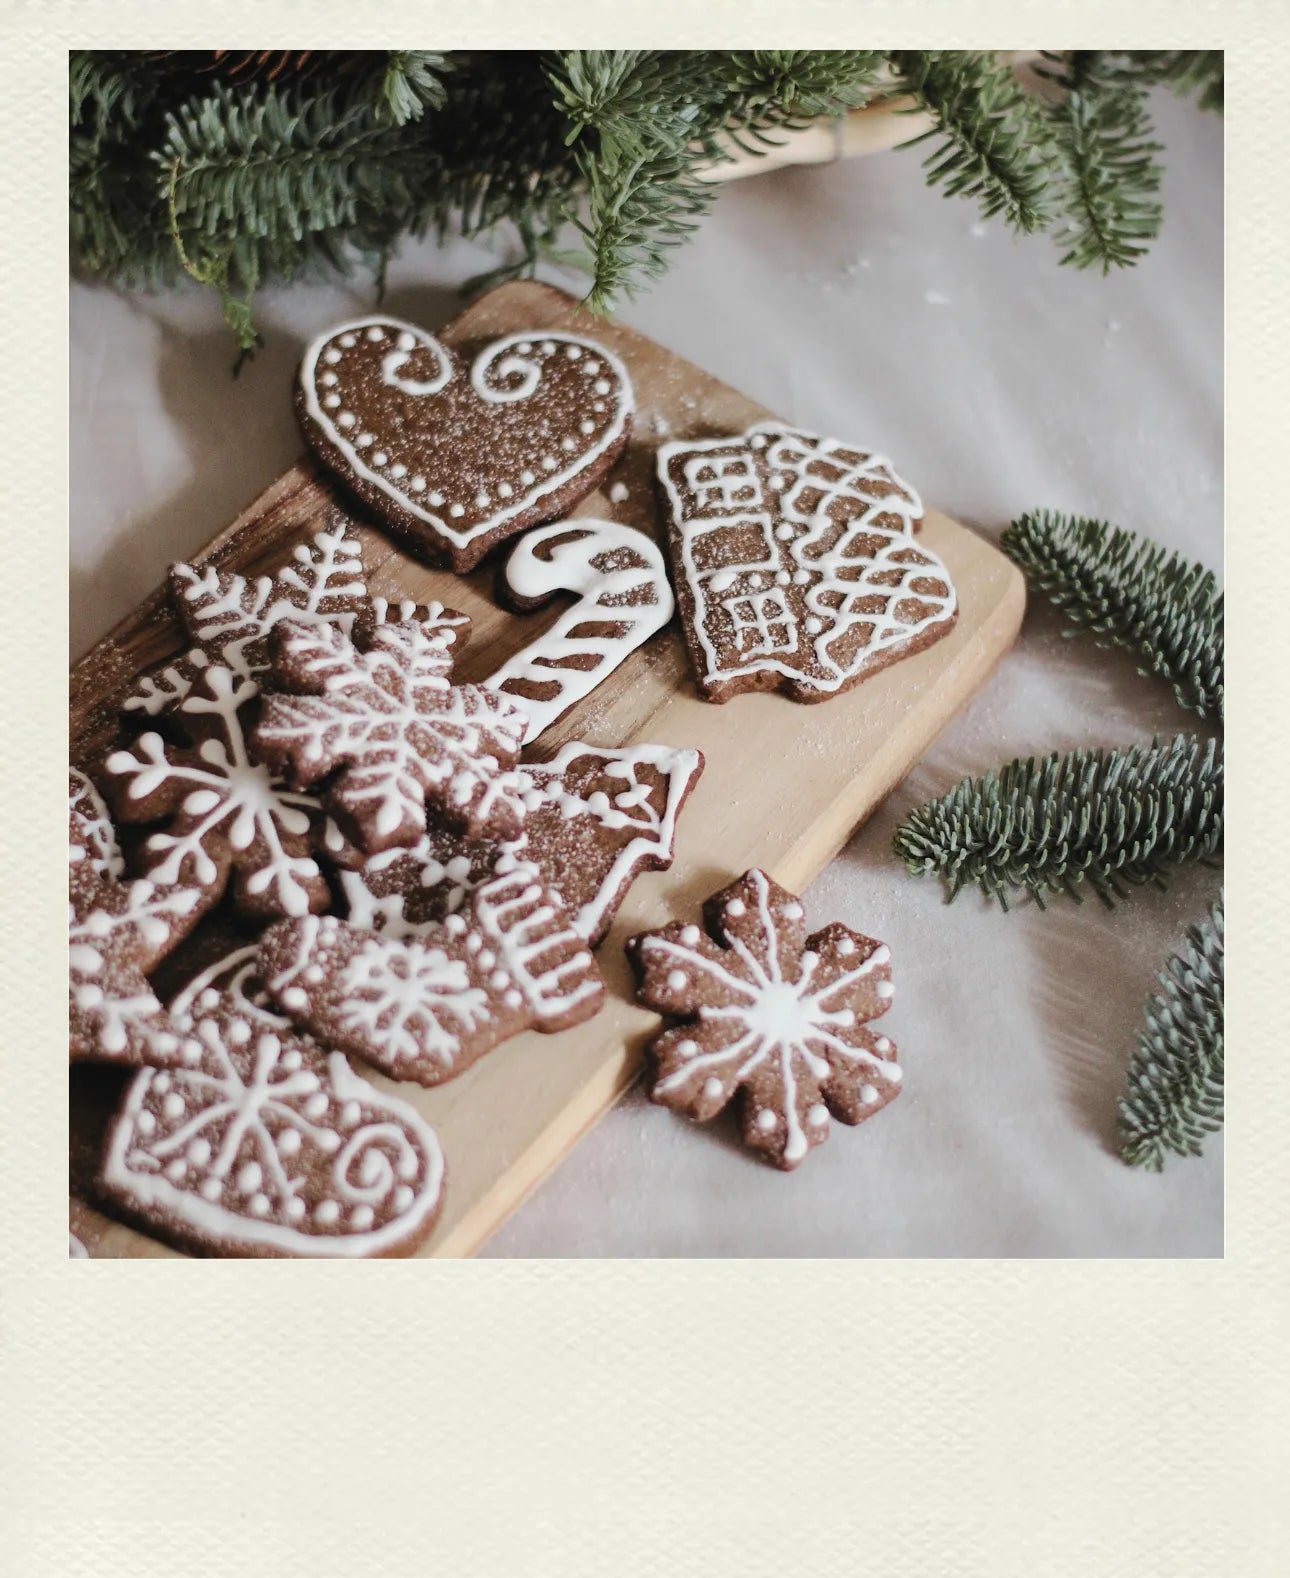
(768, 1016)
(270, 1145)
(426, 1006)
(797, 562)
(480, 432)
(118, 930)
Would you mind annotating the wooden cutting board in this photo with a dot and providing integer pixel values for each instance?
(784, 786)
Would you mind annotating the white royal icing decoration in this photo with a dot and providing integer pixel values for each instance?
(632, 807)
(394, 725)
(230, 796)
(299, 1124)
(415, 1000)
(536, 571)
(800, 543)
(505, 371)
(789, 1019)
(93, 843)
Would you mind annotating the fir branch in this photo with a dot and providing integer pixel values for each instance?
(411, 83)
(249, 154)
(767, 90)
(1190, 73)
(1108, 193)
(308, 163)
(109, 88)
(1133, 594)
(646, 125)
(1106, 817)
(993, 142)
(1173, 1091)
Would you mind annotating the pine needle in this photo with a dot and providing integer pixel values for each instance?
(1110, 818)
(1131, 593)
(1173, 1093)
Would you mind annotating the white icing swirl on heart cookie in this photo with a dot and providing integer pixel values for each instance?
(463, 452)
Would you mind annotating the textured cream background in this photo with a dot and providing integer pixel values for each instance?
(551, 1418)
(856, 302)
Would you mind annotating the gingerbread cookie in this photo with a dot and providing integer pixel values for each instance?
(623, 596)
(795, 563)
(265, 1143)
(460, 455)
(225, 814)
(770, 1016)
(228, 617)
(92, 846)
(117, 932)
(392, 733)
(426, 1007)
(595, 819)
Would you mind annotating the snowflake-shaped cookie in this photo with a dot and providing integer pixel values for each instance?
(772, 1015)
(117, 932)
(425, 1007)
(393, 730)
(92, 846)
(229, 617)
(263, 1143)
(225, 814)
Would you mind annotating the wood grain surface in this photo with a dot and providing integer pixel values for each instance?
(784, 785)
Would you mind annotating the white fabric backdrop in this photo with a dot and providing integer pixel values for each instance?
(854, 301)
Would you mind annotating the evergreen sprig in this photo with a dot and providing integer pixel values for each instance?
(645, 126)
(1108, 818)
(1173, 1093)
(1131, 593)
(1112, 176)
(242, 168)
(992, 141)
(1191, 73)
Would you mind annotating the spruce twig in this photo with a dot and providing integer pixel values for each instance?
(1108, 195)
(1173, 1092)
(1108, 818)
(1131, 593)
(993, 143)
(309, 163)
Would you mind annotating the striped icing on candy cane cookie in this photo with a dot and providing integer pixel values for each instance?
(619, 578)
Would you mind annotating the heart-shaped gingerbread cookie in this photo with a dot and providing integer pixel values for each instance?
(459, 455)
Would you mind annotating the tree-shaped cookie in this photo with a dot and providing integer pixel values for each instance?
(264, 1143)
(393, 730)
(229, 617)
(771, 1016)
(225, 814)
(117, 932)
(595, 819)
(427, 1006)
